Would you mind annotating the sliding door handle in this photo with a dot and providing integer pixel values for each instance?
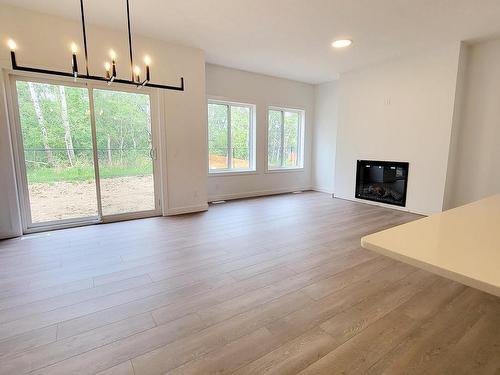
(152, 153)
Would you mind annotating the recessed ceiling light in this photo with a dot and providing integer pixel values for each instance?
(341, 43)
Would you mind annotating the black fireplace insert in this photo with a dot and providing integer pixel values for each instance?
(382, 181)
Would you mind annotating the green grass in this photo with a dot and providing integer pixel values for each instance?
(75, 174)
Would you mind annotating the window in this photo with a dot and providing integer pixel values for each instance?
(231, 146)
(285, 139)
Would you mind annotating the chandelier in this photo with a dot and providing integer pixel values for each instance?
(110, 68)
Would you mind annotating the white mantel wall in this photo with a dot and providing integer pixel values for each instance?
(44, 42)
(325, 136)
(402, 111)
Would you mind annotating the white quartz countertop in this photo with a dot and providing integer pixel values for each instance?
(462, 244)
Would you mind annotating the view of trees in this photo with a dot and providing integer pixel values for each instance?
(287, 145)
(274, 139)
(283, 137)
(59, 149)
(217, 135)
(291, 139)
(240, 136)
(57, 137)
(123, 126)
(218, 145)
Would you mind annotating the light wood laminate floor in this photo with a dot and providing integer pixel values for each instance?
(276, 285)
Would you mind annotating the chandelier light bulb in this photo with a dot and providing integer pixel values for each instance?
(107, 67)
(112, 54)
(11, 44)
(341, 43)
(147, 61)
(74, 48)
(137, 70)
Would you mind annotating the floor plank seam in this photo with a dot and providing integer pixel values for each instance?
(82, 352)
(282, 317)
(318, 325)
(152, 318)
(417, 321)
(165, 279)
(72, 304)
(250, 255)
(333, 275)
(69, 294)
(57, 332)
(121, 304)
(209, 326)
(288, 292)
(421, 322)
(132, 365)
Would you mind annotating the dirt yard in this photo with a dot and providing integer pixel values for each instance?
(218, 162)
(68, 200)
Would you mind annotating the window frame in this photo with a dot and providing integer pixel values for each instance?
(300, 142)
(252, 165)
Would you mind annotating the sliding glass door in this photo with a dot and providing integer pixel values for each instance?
(57, 152)
(125, 151)
(85, 154)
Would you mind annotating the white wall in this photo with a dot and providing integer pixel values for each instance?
(44, 42)
(475, 161)
(262, 91)
(324, 137)
(10, 221)
(400, 110)
(458, 110)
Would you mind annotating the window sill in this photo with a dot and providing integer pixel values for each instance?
(284, 170)
(232, 173)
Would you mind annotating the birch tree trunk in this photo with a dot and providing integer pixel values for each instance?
(110, 159)
(122, 141)
(41, 123)
(67, 130)
(150, 133)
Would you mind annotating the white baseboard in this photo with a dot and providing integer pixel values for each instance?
(322, 189)
(187, 209)
(251, 194)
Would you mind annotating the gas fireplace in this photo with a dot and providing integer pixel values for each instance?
(382, 181)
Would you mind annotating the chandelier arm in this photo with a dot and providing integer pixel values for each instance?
(129, 41)
(84, 38)
(95, 78)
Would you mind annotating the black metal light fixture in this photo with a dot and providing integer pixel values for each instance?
(110, 69)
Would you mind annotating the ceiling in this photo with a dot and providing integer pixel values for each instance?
(291, 38)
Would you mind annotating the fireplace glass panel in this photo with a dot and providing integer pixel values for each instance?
(382, 181)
